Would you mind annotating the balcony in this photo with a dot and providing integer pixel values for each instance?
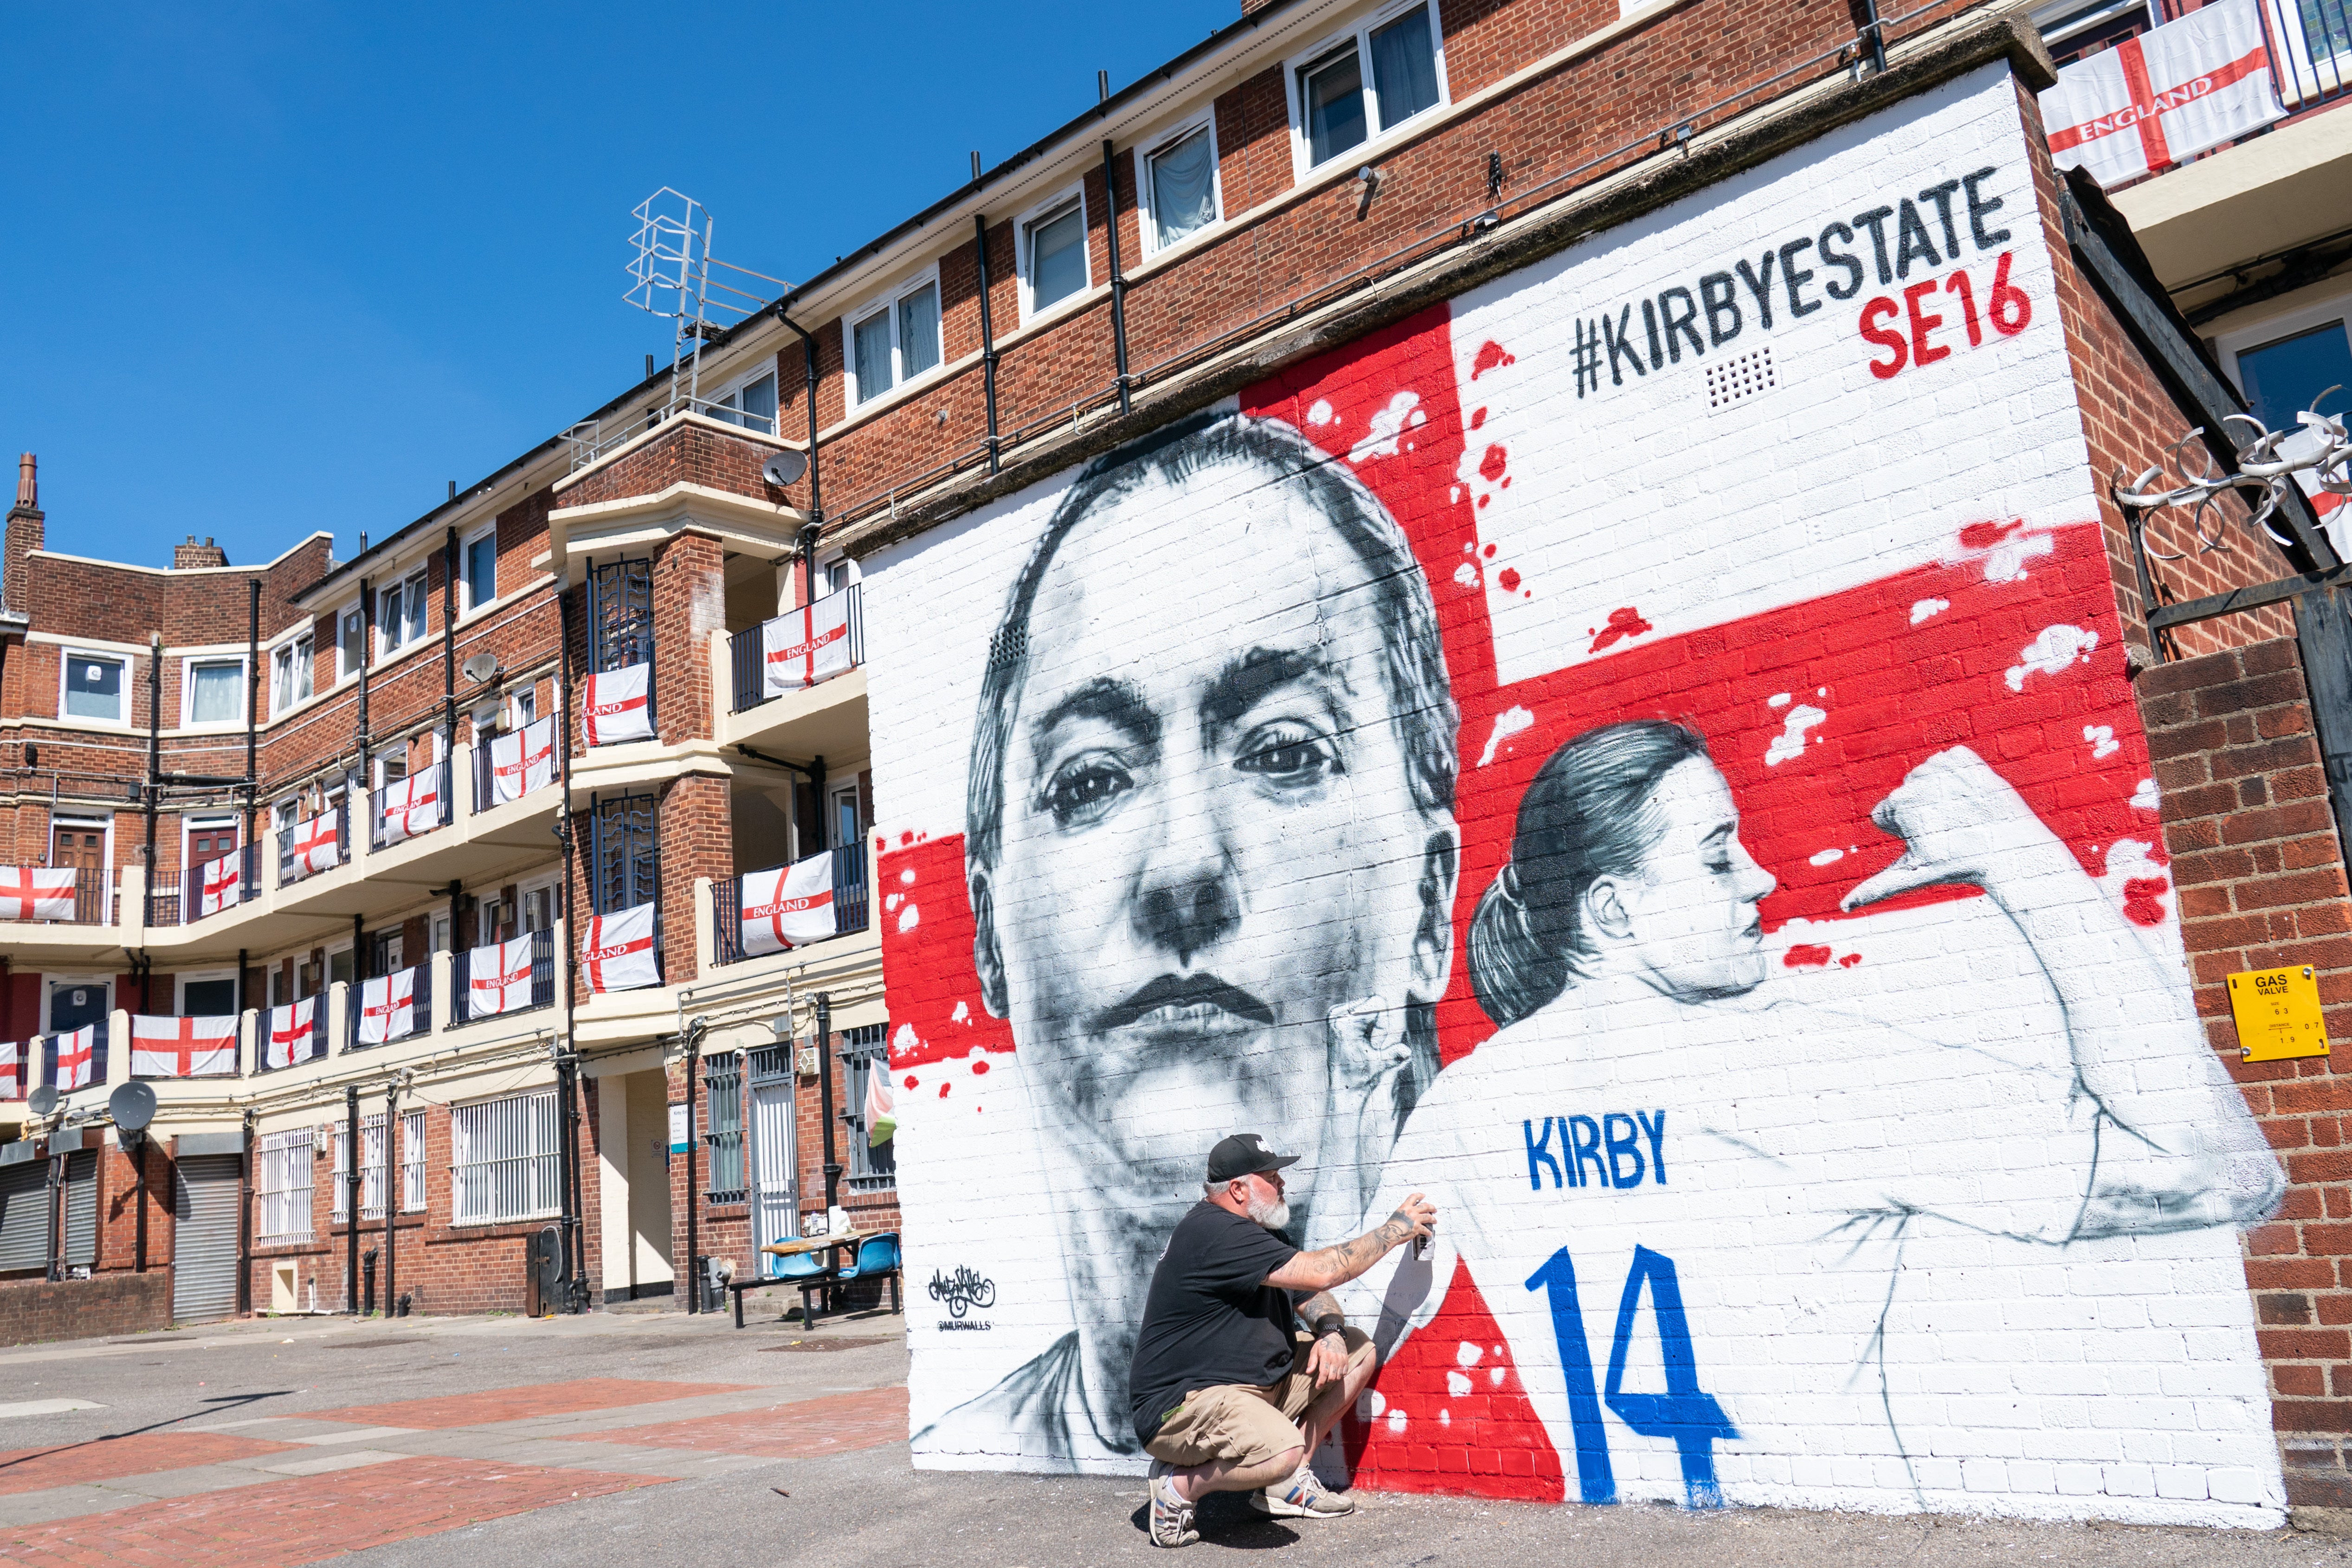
(852, 905)
(302, 848)
(92, 899)
(797, 650)
(410, 807)
(542, 982)
(390, 1008)
(216, 887)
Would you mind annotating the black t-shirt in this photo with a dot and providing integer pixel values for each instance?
(1211, 1319)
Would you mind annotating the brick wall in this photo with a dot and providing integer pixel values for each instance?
(34, 1310)
(2262, 882)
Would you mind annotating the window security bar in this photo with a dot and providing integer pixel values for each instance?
(505, 1163)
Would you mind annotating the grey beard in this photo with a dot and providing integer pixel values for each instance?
(1274, 1215)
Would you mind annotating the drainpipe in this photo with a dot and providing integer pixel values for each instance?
(137, 1150)
(576, 1222)
(694, 1032)
(1872, 34)
(825, 1081)
(1117, 280)
(252, 722)
(987, 332)
(244, 1219)
(448, 694)
(390, 1173)
(351, 1202)
(154, 777)
(243, 955)
(367, 642)
(563, 832)
(808, 375)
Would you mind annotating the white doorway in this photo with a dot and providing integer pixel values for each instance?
(775, 1175)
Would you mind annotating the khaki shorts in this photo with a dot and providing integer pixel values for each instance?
(1246, 1423)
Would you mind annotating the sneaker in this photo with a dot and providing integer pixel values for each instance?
(1302, 1497)
(1172, 1516)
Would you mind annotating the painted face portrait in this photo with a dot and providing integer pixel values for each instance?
(1210, 849)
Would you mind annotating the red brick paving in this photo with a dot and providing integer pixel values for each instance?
(515, 1404)
(279, 1524)
(804, 1429)
(36, 1469)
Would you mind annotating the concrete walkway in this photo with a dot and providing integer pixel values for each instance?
(673, 1439)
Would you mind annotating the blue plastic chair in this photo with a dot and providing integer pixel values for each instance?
(806, 1270)
(877, 1259)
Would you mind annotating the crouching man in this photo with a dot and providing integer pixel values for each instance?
(1228, 1394)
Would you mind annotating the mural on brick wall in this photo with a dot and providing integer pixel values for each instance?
(1641, 754)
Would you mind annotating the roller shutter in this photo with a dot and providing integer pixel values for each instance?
(204, 1249)
(81, 1207)
(25, 1216)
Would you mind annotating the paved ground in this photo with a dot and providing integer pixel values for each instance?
(678, 1441)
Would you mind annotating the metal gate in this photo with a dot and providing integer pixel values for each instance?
(203, 1248)
(775, 1170)
(81, 1209)
(25, 1216)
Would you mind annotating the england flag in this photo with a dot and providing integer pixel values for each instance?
(316, 848)
(73, 1054)
(788, 906)
(183, 1047)
(499, 977)
(619, 951)
(523, 761)
(388, 1008)
(2153, 101)
(221, 884)
(617, 708)
(293, 1033)
(804, 646)
(12, 1071)
(36, 893)
(413, 806)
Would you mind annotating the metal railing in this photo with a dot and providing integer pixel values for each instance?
(543, 980)
(420, 1014)
(394, 815)
(94, 892)
(486, 783)
(289, 872)
(851, 904)
(187, 906)
(2311, 50)
(745, 647)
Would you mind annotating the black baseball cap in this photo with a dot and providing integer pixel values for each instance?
(1244, 1154)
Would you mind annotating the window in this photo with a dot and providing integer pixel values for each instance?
(504, 1161)
(621, 844)
(277, 985)
(400, 614)
(441, 933)
(370, 1168)
(411, 1161)
(2282, 377)
(479, 569)
(1180, 186)
(864, 1051)
(350, 626)
(1369, 83)
(214, 692)
(283, 1181)
(290, 674)
(896, 338)
(526, 709)
(339, 967)
(212, 997)
(751, 405)
(539, 909)
(95, 687)
(1054, 254)
(723, 1086)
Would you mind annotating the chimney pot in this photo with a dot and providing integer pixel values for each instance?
(28, 484)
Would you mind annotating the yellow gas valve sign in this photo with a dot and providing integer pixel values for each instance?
(2277, 1012)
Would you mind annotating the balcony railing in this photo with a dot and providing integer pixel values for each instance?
(851, 904)
(232, 878)
(543, 980)
(534, 737)
(2311, 50)
(420, 1017)
(289, 872)
(93, 898)
(797, 630)
(409, 808)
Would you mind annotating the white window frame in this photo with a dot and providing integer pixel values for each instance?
(284, 1182)
(2291, 324)
(887, 302)
(67, 655)
(525, 891)
(346, 671)
(51, 979)
(729, 388)
(505, 1137)
(411, 1161)
(327, 960)
(419, 582)
(522, 707)
(370, 1166)
(1375, 138)
(467, 605)
(188, 665)
(201, 977)
(1147, 221)
(1051, 207)
(290, 650)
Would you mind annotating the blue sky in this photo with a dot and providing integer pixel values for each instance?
(279, 267)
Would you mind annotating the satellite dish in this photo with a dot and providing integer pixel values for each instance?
(785, 467)
(480, 667)
(42, 1100)
(133, 1106)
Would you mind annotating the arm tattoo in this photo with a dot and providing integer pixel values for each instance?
(1318, 1308)
(1350, 1258)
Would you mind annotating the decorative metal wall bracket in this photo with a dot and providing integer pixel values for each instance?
(2268, 462)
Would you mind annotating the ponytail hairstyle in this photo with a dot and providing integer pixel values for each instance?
(1586, 816)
